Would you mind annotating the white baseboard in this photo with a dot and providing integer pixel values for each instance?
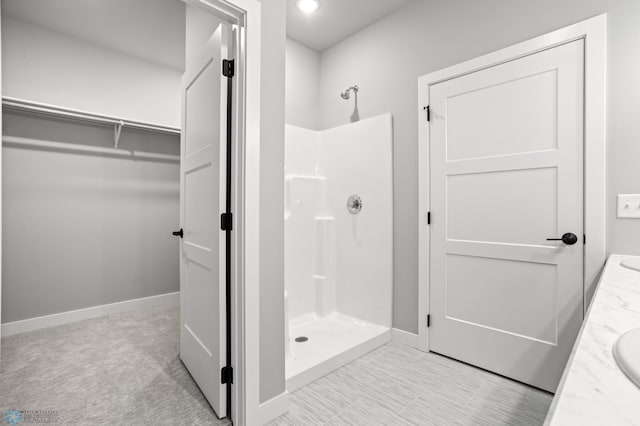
(404, 337)
(32, 324)
(274, 408)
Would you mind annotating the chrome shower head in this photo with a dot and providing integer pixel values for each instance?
(346, 94)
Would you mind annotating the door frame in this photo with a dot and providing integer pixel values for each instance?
(594, 33)
(1, 127)
(245, 18)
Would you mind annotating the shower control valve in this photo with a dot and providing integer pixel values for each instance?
(354, 204)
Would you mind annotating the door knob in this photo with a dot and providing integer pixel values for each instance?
(568, 238)
(178, 233)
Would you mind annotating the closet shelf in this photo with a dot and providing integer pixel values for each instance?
(71, 147)
(17, 104)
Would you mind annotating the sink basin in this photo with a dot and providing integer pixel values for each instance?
(626, 352)
(632, 263)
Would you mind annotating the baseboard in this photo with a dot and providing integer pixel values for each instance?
(38, 323)
(404, 337)
(274, 408)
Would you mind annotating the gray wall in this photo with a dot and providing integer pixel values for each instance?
(302, 87)
(386, 58)
(272, 374)
(46, 66)
(82, 230)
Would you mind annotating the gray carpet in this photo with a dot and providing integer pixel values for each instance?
(117, 370)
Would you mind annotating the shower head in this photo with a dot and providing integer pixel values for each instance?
(346, 93)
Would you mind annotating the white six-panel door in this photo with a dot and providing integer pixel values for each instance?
(202, 201)
(506, 174)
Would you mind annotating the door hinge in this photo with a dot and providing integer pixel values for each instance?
(428, 320)
(227, 67)
(428, 218)
(584, 238)
(226, 221)
(226, 375)
(428, 109)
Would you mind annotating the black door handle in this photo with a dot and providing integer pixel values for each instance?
(568, 238)
(178, 233)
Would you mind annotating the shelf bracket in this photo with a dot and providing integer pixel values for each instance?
(116, 133)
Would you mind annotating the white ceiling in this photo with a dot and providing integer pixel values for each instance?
(153, 30)
(335, 20)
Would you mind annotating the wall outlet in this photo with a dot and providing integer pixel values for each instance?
(629, 206)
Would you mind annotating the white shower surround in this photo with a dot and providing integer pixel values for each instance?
(338, 266)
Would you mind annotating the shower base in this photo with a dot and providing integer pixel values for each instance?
(331, 342)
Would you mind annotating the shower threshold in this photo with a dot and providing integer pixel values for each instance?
(332, 342)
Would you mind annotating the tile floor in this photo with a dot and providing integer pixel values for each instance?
(398, 385)
(125, 369)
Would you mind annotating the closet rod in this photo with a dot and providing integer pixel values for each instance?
(62, 146)
(17, 104)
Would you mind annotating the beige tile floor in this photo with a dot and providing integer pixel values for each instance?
(398, 385)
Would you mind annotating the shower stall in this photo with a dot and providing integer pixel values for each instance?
(338, 245)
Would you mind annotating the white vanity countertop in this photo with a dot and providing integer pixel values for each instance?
(593, 390)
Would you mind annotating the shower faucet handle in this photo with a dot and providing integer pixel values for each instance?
(354, 204)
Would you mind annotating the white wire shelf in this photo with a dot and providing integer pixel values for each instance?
(22, 105)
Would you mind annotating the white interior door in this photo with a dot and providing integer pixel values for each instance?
(202, 201)
(507, 174)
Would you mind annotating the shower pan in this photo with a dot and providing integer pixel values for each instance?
(338, 245)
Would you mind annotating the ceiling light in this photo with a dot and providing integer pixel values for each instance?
(308, 6)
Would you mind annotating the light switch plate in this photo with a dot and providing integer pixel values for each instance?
(629, 206)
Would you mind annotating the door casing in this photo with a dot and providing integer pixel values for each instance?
(245, 182)
(245, 17)
(593, 31)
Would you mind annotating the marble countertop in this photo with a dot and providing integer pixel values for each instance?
(593, 390)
